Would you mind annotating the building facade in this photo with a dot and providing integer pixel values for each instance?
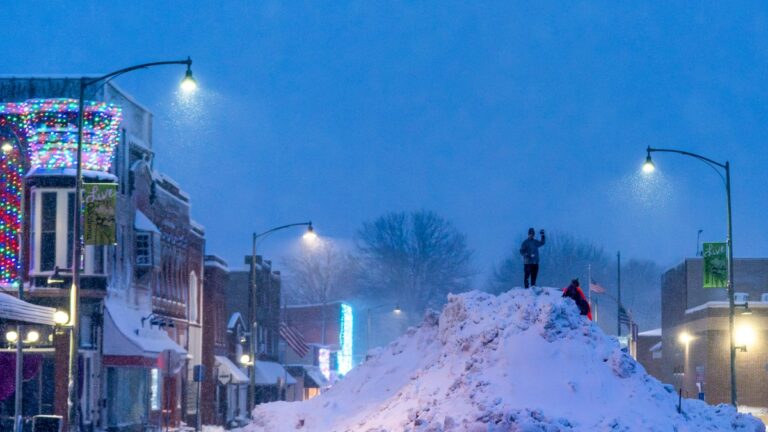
(695, 333)
(141, 296)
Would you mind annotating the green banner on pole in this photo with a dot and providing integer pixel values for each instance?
(100, 204)
(715, 265)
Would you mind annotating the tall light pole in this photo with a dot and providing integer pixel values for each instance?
(649, 167)
(254, 301)
(7, 148)
(187, 84)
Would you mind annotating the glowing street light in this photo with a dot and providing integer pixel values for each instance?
(685, 338)
(310, 235)
(245, 360)
(12, 336)
(744, 337)
(188, 84)
(61, 317)
(74, 293)
(648, 167)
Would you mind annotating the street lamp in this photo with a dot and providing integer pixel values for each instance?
(396, 311)
(187, 84)
(309, 235)
(649, 167)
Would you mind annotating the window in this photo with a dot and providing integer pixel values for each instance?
(98, 259)
(143, 249)
(192, 297)
(155, 390)
(48, 232)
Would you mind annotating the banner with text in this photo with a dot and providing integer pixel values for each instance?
(100, 201)
(715, 265)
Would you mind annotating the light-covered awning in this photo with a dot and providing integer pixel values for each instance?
(268, 373)
(229, 373)
(126, 334)
(13, 309)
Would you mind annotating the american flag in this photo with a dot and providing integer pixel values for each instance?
(624, 317)
(595, 287)
(294, 339)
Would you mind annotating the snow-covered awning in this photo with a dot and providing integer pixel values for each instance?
(268, 373)
(126, 335)
(13, 309)
(142, 222)
(229, 373)
(314, 377)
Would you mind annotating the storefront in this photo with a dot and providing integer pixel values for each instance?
(142, 366)
(231, 392)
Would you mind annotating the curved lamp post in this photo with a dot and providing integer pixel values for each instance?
(649, 167)
(187, 84)
(309, 235)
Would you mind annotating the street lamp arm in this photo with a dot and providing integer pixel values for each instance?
(270, 231)
(686, 153)
(87, 82)
(711, 163)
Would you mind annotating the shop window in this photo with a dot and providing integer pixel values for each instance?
(48, 232)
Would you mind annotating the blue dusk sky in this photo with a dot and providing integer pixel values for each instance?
(496, 115)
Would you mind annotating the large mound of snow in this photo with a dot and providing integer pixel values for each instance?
(520, 361)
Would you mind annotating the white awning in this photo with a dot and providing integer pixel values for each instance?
(268, 373)
(14, 309)
(229, 373)
(126, 335)
(315, 374)
(142, 222)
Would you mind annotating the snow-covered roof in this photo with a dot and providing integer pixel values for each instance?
(129, 336)
(229, 373)
(655, 347)
(724, 304)
(651, 333)
(268, 373)
(71, 172)
(143, 223)
(234, 319)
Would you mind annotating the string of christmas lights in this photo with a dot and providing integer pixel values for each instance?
(11, 173)
(48, 131)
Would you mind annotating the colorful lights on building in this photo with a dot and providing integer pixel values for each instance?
(324, 362)
(345, 338)
(49, 128)
(46, 130)
(11, 173)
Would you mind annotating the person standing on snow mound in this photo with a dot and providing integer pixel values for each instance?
(530, 252)
(577, 295)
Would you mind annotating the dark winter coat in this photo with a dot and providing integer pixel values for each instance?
(530, 250)
(578, 296)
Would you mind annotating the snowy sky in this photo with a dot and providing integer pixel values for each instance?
(497, 116)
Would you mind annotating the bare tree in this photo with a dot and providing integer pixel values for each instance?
(321, 273)
(563, 258)
(413, 259)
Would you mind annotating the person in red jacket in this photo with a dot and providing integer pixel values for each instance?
(577, 295)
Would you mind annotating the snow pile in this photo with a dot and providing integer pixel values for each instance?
(520, 361)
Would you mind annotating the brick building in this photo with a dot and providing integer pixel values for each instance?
(140, 322)
(695, 338)
(272, 380)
